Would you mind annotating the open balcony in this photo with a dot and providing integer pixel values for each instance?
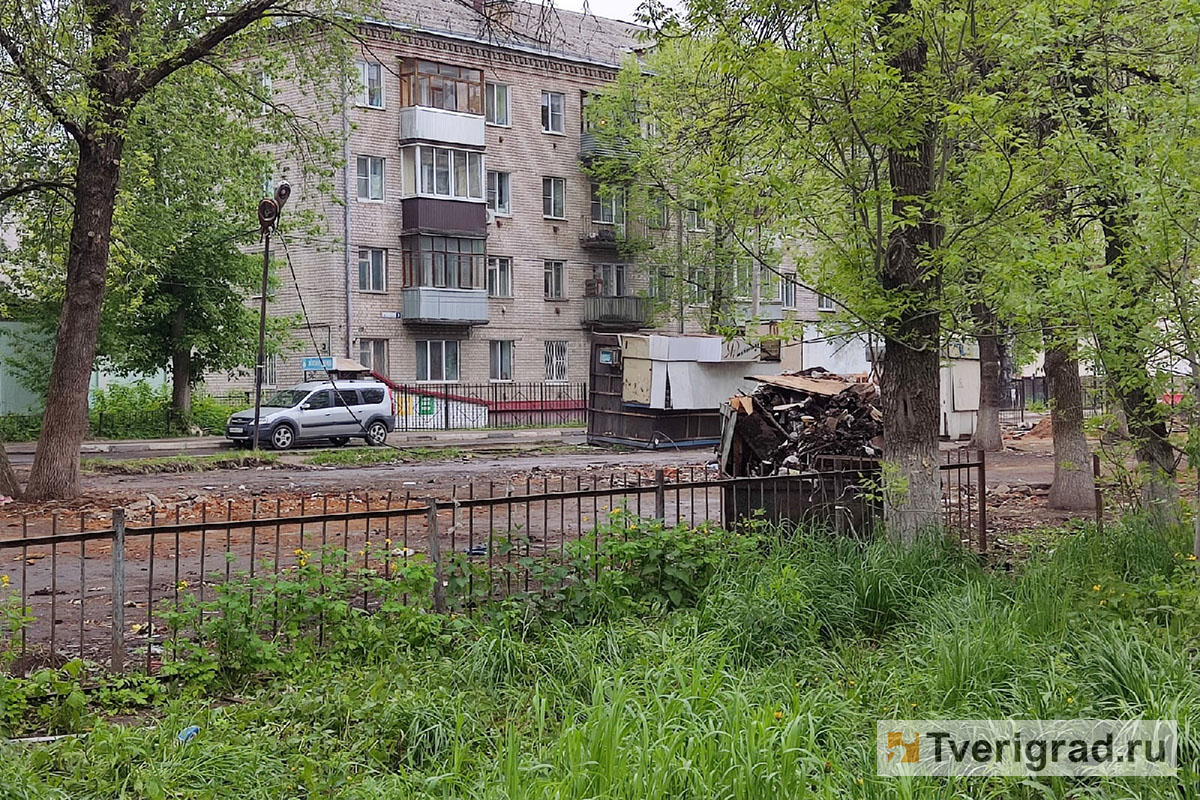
(593, 147)
(624, 313)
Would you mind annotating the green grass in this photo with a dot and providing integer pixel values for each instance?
(204, 463)
(369, 456)
(768, 687)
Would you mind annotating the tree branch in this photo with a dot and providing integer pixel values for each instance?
(36, 85)
(236, 21)
(34, 185)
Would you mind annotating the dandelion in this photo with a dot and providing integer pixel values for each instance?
(914, 705)
(304, 562)
(1070, 701)
(778, 715)
(1096, 587)
(5, 580)
(368, 544)
(1191, 557)
(1103, 602)
(299, 551)
(851, 683)
(387, 542)
(181, 585)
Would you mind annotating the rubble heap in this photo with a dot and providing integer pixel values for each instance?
(793, 418)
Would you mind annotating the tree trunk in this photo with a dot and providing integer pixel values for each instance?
(55, 471)
(987, 419)
(1074, 487)
(181, 363)
(181, 382)
(909, 383)
(9, 485)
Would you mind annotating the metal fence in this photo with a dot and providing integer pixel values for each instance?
(108, 593)
(431, 406)
(1024, 401)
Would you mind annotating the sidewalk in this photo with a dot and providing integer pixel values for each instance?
(453, 438)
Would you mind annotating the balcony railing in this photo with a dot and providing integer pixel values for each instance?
(614, 312)
(592, 147)
(436, 306)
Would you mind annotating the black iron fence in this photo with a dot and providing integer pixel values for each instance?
(110, 587)
(433, 406)
(1024, 401)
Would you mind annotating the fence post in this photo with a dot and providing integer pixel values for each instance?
(660, 495)
(435, 554)
(983, 540)
(1099, 494)
(446, 406)
(118, 591)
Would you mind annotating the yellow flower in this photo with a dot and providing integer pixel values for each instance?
(388, 542)
(5, 580)
(851, 683)
(859, 781)
(1191, 556)
(299, 551)
(914, 705)
(1096, 588)
(1070, 701)
(778, 715)
(182, 585)
(304, 562)
(1103, 602)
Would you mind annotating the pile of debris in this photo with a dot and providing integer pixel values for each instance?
(792, 419)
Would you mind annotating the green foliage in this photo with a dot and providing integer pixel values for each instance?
(768, 686)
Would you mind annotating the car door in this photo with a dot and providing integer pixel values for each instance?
(345, 409)
(316, 415)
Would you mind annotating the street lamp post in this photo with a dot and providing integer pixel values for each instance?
(268, 216)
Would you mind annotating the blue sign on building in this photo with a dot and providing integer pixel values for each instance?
(312, 364)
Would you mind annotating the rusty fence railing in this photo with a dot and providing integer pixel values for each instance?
(105, 593)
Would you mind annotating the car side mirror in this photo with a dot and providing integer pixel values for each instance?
(305, 406)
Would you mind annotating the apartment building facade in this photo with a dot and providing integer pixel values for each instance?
(466, 243)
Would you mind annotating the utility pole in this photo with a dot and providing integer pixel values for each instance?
(268, 216)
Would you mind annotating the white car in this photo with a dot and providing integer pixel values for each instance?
(336, 411)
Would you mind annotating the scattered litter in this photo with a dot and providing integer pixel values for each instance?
(188, 733)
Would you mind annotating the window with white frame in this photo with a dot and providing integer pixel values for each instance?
(768, 283)
(499, 276)
(556, 361)
(612, 279)
(554, 198)
(825, 303)
(497, 101)
(787, 292)
(608, 205)
(693, 216)
(370, 178)
(443, 172)
(437, 360)
(372, 269)
(659, 216)
(264, 89)
(553, 112)
(552, 272)
(500, 352)
(370, 88)
(499, 197)
(271, 371)
(372, 354)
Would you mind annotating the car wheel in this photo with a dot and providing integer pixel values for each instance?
(339, 441)
(283, 437)
(376, 433)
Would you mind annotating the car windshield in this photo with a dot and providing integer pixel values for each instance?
(288, 398)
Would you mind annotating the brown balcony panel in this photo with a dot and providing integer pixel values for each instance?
(434, 215)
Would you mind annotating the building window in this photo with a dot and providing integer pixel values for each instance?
(554, 191)
(372, 269)
(498, 195)
(370, 178)
(825, 303)
(443, 172)
(660, 215)
(372, 354)
(611, 278)
(693, 216)
(499, 276)
(553, 117)
(556, 361)
(443, 262)
(608, 205)
(263, 89)
(787, 292)
(437, 361)
(500, 353)
(426, 83)
(768, 283)
(271, 371)
(497, 104)
(370, 92)
(553, 277)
